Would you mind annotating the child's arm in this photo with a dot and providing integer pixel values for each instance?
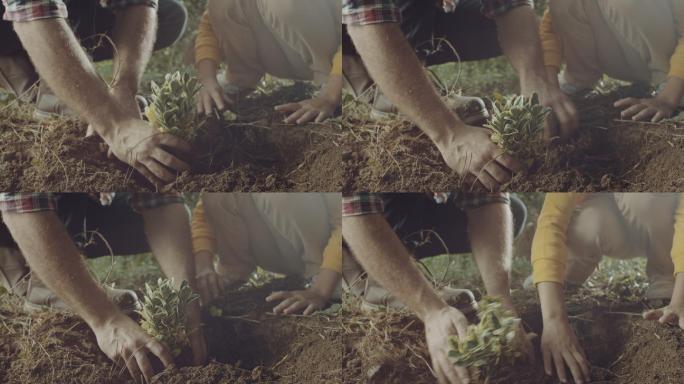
(310, 300)
(207, 57)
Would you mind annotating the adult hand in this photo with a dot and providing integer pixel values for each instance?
(140, 145)
(439, 326)
(559, 348)
(651, 109)
(305, 302)
(563, 121)
(212, 95)
(317, 109)
(672, 314)
(198, 343)
(122, 339)
(209, 283)
(471, 153)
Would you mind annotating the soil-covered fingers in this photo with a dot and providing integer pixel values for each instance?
(295, 116)
(151, 177)
(645, 114)
(498, 172)
(169, 160)
(143, 362)
(488, 181)
(509, 163)
(161, 174)
(633, 110)
(308, 116)
(299, 305)
(133, 370)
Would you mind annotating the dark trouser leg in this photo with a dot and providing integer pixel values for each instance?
(433, 33)
(95, 228)
(430, 229)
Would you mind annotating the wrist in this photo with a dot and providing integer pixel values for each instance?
(445, 131)
(103, 318)
(207, 69)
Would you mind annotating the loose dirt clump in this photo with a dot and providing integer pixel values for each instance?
(260, 153)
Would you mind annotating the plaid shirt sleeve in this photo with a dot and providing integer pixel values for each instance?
(27, 202)
(29, 10)
(362, 204)
(144, 201)
(467, 201)
(494, 8)
(364, 12)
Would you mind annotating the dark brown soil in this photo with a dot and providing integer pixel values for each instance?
(259, 154)
(607, 155)
(247, 344)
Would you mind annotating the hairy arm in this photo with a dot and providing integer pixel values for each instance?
(491, 240)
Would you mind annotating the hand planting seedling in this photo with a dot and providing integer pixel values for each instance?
(164, 313)
(172, 108)
(494, 343)
(516, 126)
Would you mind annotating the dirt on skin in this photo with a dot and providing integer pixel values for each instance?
(259, 153)
(607, 155)
(248, 344)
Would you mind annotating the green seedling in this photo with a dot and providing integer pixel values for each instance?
(494, 343)
(164, 313)
(172, 108)
(517, 125)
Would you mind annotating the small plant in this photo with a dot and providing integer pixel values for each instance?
(517, 124)
(163, 313)
(172, 108)
(491, 344)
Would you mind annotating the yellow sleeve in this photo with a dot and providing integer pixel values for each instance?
(551, 44)
(332, 255)
(678, 240)
(337, 63)
(677, 60)
(202, 233)
(549, 249)
(206, 43)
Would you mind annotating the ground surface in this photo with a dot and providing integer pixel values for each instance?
(247, 344)
(258, 153)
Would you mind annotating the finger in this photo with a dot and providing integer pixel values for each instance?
(162, 352)
(498, 172)
(200, 104)
(149, 175)
(309, 310)
(144, 364)
(551, 127)
(289, 107)
(438, 371)
(208, 103)
(633, 110)
(626, 102)
(546, 356)
(450, 371)
(175, 142)
(560, 367)
(218, 100)
(214, 286)
(658, 116)
(681, 322)
(158, 170)
(646, 114)
(574, 367)
(297, 306)
(169, 160)
(668, 318)
(284, 304)
(295, 116)
(509, 162)
(583, 364)
(488, 181)
(653, 314)
(461, 326)
(226, 99)
(133, 369)
(322, 116)
(203, 291)
(310, 115)
(279, 295)
(570, 122)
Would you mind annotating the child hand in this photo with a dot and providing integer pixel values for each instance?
(211, 94)
(306, 301)
(651, 109)
(672, 314)
(317, 109)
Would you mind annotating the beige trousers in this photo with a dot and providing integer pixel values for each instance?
(623, 226)
(290, 39)
(280, 232)
(630, 40)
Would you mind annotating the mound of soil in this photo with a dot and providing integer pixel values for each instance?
(260, 154)
(247, 344)
(608, 155)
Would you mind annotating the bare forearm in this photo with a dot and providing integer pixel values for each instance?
(397, 70)
(53, 256)
(491, 240)
(384, 258)
(678, 291)
(673, 91)
(332, 89)
(61, 61)
(133, 36)
(519, 39)
(552, 301)
(168, 233)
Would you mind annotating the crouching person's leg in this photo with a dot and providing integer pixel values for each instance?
(651, 217)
